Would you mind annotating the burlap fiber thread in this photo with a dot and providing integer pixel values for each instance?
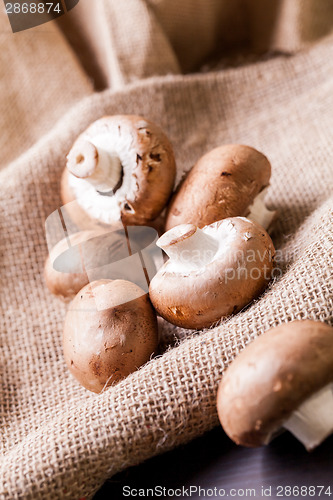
(58, 440)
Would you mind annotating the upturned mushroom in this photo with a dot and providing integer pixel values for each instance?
(110, 331)
(127, 253)
(122, 168)
(228, 181)
(212, 272)
(284, 379)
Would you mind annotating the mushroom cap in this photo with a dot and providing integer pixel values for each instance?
(272, 377)
(239, 272)
(86, 256)
(223, 183)
(82, 220)
(110, 331)
(66, 284)
(148, 171)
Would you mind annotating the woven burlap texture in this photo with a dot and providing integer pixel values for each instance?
(140, 38)
(60, 441)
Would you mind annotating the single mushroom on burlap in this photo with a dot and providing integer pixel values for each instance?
(122, 168)
(122, 253)
(228, 181)
(110, 331)
(212, 272)
(284, 379)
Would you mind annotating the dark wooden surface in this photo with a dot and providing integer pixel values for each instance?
(214, 461)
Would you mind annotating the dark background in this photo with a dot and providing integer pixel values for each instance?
(214, 461)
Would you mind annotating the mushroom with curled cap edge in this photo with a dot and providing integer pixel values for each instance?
(228, 181)
(122, 253)
(110, 331)
(284, 379)
(212, 272)
(122, 168)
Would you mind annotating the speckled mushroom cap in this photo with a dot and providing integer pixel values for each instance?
(110, 330)
(89, 255)
(272, 377)
(237, 271)
(223, 183)
(145, 159)
(65, 283)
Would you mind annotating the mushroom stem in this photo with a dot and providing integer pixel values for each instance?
(189, 246)
(312, 422)
(258, 211)
(95, 162)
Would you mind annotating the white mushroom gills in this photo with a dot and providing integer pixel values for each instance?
(258, 211)
(189, 247)
(98, 201)
(95, 161)
(312, 422)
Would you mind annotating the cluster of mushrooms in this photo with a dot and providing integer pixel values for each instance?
(193, 256)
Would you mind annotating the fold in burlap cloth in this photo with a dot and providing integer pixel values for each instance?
(60, 441)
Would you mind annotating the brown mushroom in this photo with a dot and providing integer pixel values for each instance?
(283, 379)
(212, 272)
(127, 253)
(121, 168)
(110, 331)
(228, 181)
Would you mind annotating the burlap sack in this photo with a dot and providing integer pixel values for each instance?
(35, 90)
(60, 441)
